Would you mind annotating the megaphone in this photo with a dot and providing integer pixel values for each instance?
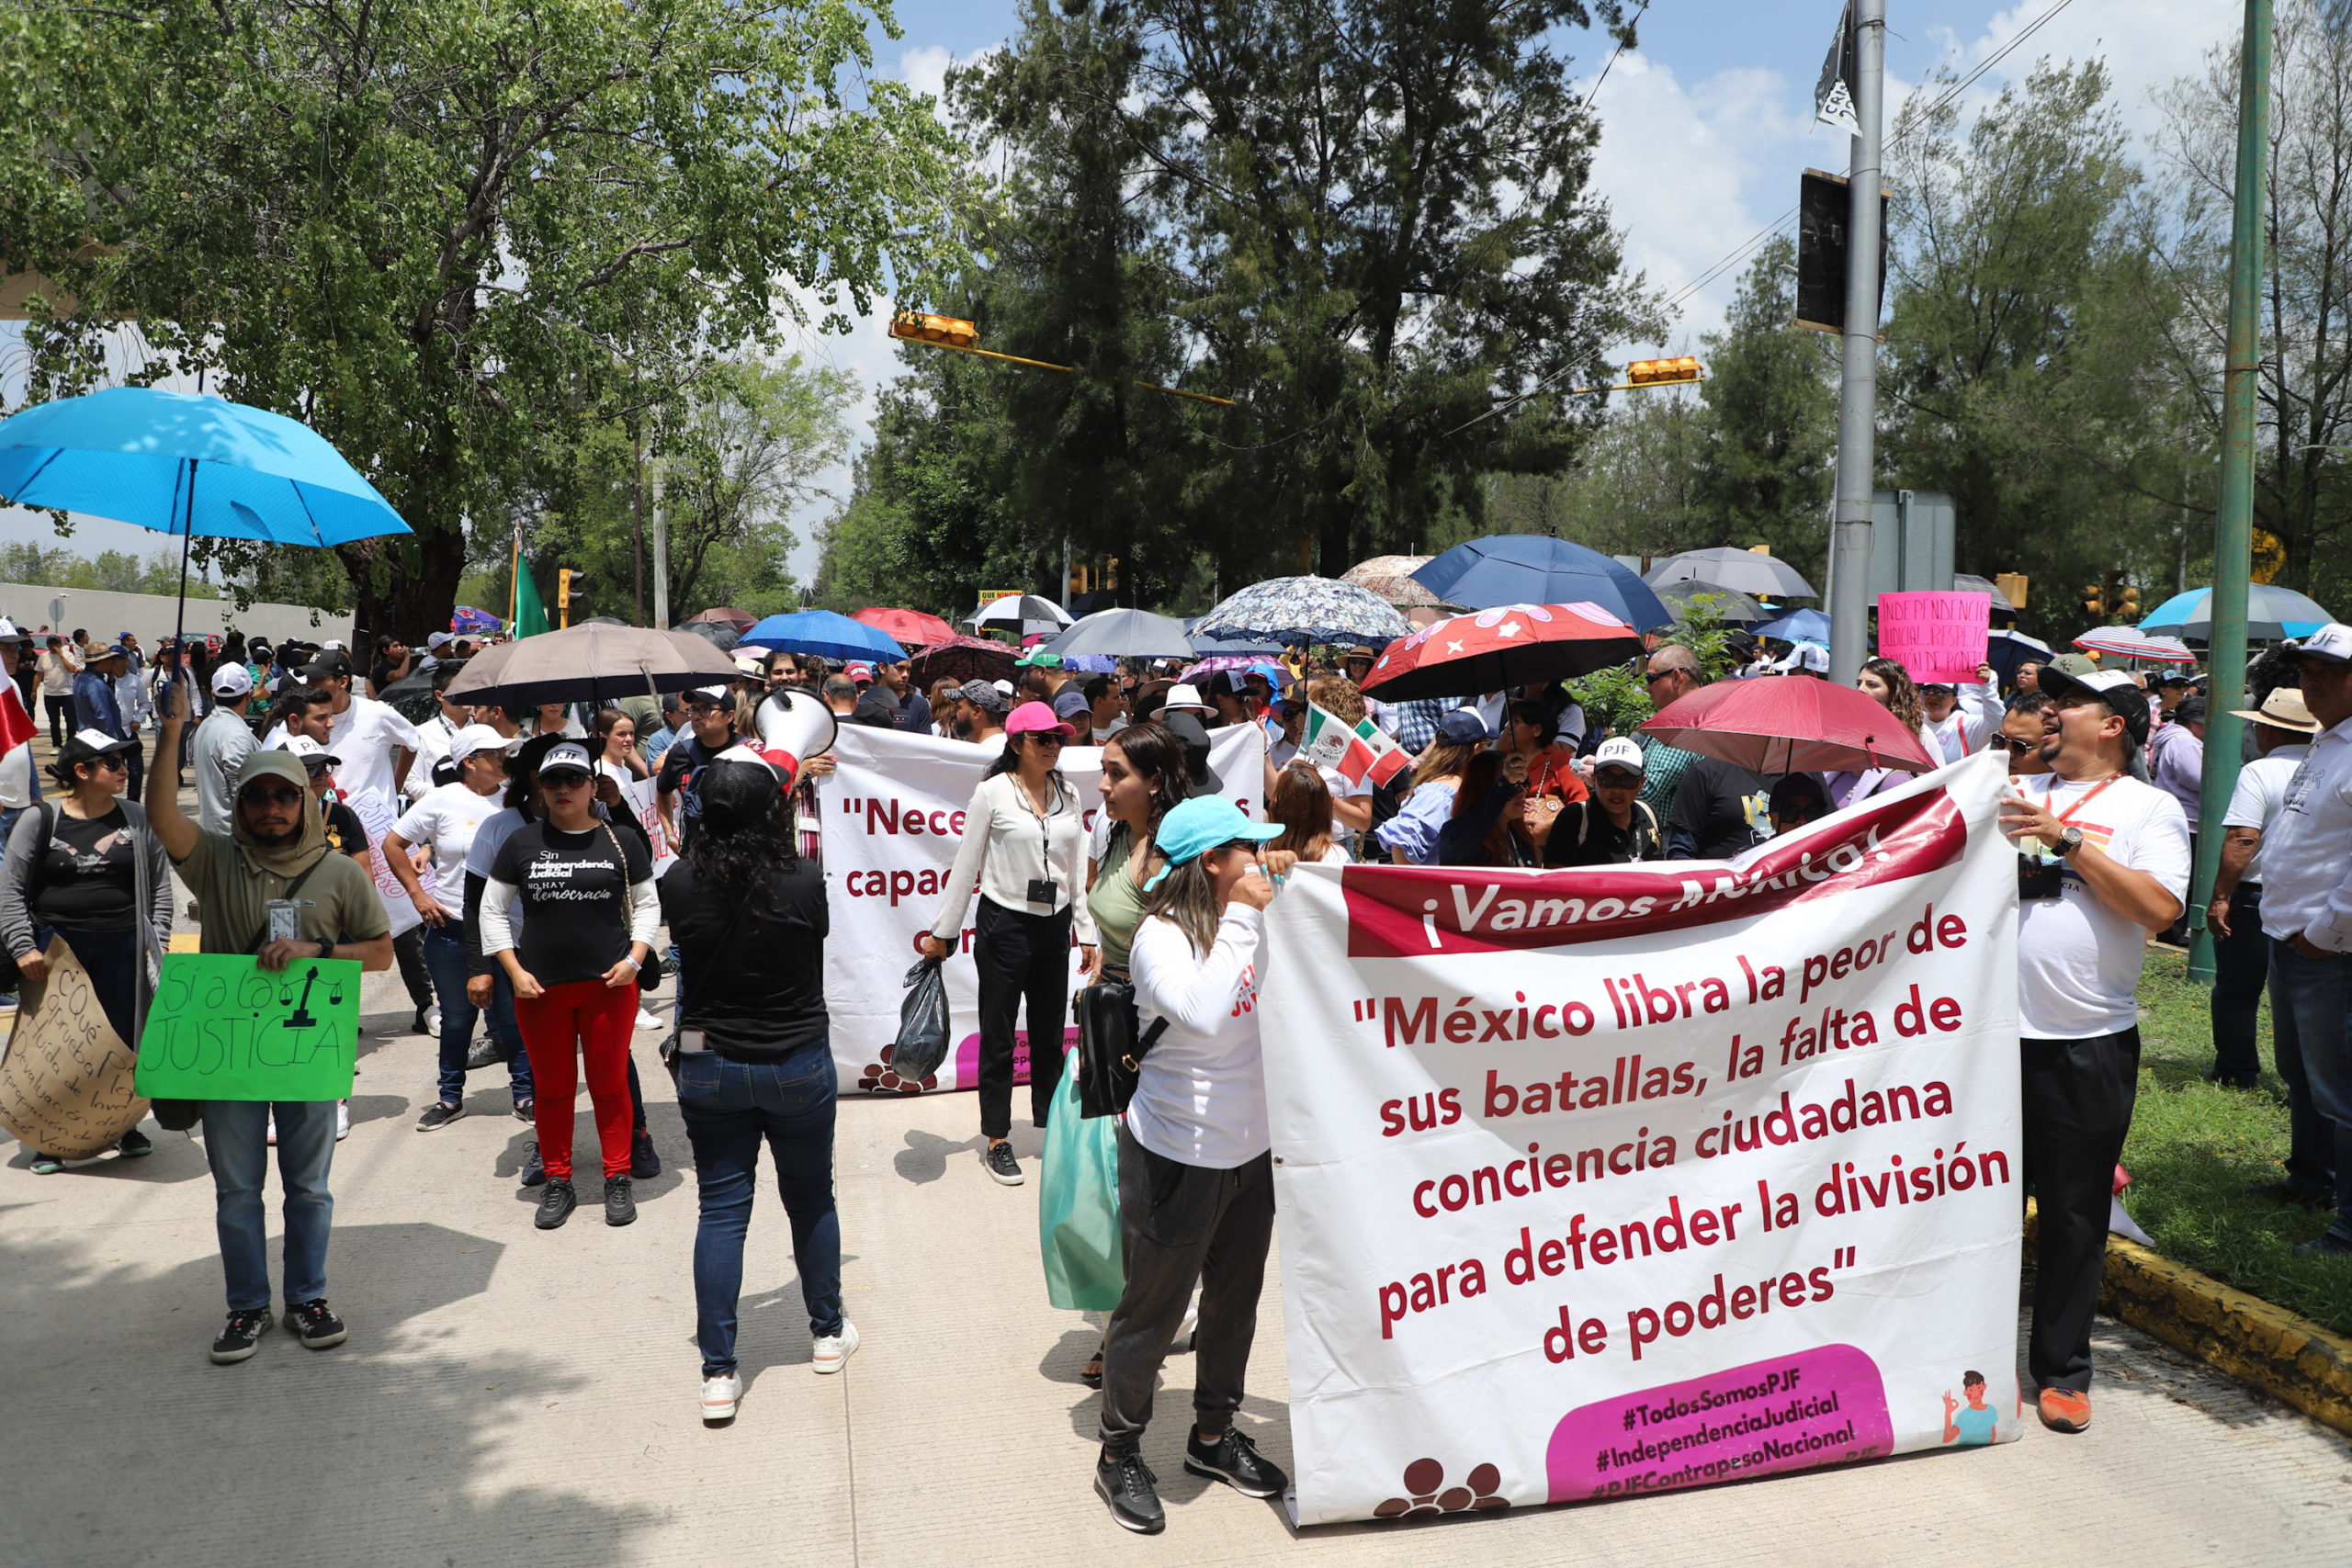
(793, 727)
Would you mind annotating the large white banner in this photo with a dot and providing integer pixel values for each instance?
(1601, 1182)
(893, 815)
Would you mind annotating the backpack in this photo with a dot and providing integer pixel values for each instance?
(1584, 820)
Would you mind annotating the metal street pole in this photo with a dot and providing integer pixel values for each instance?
(2234, 523)
(1849, 572)
(661, 549)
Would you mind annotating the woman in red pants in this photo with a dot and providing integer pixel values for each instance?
(590, 911)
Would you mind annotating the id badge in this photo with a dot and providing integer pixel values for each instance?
(1042, 890)
(284, 920)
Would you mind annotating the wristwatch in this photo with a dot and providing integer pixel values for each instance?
(326, 948)
(2069, 841)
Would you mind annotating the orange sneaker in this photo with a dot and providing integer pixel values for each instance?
(2064, 1410)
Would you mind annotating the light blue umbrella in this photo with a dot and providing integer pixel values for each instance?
(1797, 626)
(186, 464)
(824, 633)
(2271, 613)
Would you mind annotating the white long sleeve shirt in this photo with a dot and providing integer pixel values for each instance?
(2305, 850)
(1006, 846)
(1201, 1093)
(1966, 729)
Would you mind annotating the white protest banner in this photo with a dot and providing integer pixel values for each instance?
(893, 815)
(376, 815)
(1600, 1182)
(638, 795)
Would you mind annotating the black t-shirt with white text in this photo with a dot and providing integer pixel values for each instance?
(574, 892)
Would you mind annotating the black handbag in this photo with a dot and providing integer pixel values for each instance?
(1110, 1050)
(648, 974)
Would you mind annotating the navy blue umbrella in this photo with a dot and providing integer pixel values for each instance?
(1533, 569)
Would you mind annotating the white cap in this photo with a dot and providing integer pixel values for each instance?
(1618, 752)
(1004, 686)
(570, 754)
(231, 680)
(2331, 642)
(310, 751)
(439, 641)
(475, 738)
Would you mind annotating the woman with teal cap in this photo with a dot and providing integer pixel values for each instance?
(1196, 1190)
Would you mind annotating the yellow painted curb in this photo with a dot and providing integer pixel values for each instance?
(2283, 1354)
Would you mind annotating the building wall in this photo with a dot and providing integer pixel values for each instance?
(150, 616)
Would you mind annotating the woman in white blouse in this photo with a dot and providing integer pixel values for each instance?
(1024, 850)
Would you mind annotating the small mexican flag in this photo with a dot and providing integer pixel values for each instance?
(1361, 753)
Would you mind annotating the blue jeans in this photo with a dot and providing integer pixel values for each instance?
(2308, 997)
(236, 1133)
(445, 958)
(729, 1107)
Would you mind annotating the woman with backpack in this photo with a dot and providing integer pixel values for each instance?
(86, 868)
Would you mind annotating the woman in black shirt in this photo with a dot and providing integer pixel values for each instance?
(84, 868)
(590, 914)
(755, 1060)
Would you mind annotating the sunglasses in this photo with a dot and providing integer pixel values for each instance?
(1652, 677)
(2019, 748)
(111, 765)
(1046, 738)
(567, 779)
(260, 798)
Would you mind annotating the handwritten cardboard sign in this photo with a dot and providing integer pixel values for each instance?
(65, 1082)
(639, 796)
(224, 1028)
(1939, 638)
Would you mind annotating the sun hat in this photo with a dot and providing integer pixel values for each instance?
(1618, 752)
(1184, 697)
(232, 681)
(2283, 709)
(1036, 719)
(473, 737)
(311, 753)
(570, 757)
(1204, 822)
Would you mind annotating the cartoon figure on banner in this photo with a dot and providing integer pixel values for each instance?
(1972, 1424)
(1423, 1478)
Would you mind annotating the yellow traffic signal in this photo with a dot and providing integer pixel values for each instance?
(1656, 372)
(952, 331)
(2095, 600)
(2012, 585)
(563, 586)
(2126, 607)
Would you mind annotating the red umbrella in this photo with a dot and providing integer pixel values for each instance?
(1784, 724)
(911, 627)
(1490, 650)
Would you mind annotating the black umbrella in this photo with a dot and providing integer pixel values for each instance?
(721, 635)
(412, 695)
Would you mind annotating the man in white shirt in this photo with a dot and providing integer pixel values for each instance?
(377, 744)
(433, 736)
(2307, 914)
(221, 744)
(2282, 728)
(2113, 867)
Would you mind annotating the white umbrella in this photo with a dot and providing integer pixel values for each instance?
(1024, 613)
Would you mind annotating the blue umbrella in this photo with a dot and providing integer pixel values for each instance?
(1797, 626)
(824, 633)
(1533, 569)
(2271, 613)
(184, 464)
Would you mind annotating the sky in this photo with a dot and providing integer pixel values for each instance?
(1705, 129)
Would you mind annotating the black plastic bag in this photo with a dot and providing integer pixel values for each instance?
(922, 1024)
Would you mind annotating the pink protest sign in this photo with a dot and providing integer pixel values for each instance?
(1939, 638)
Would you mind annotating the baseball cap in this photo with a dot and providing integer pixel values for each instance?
(748, 661)
(860, 671)
(1202, 823)
(312, 754)
(570, 757)
(1038, 659)
(2332, 643)
(330, 661)
(2283, 709)
(439, 641)
(475, 738)
(1194, 736)
(2113, 687)
(1463, 726)
(984, 693)
(232, 681)
(1618, 752)
(1036, 719)
(1069, 702)
(710, 695)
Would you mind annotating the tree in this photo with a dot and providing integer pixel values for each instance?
(457, 239)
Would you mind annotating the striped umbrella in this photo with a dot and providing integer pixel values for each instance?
(2129, 642)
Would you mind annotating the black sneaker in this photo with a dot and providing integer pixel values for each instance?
(556, 1205)
(1006, 1171)
(485, 1053)
(134, 1145)
(2293, 1191)
(241, 1337)
(440, 1114)
(417, 1025)
(526, 1111)
(1235, 1459)
(1125, 1483)
(620, 1204)
(644, 1159)
(316, 1323)
(535, 1171)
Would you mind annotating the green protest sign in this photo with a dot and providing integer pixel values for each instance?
(224, 1028)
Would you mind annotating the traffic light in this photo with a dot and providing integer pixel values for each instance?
(568, 582)
(2095, 601)
(2122, 601)
(2012, 585)
(1658, 372)
(950, 330)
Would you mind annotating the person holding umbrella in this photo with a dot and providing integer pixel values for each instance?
(1025, 851)
(97, 705)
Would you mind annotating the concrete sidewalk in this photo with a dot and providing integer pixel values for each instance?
(514, 1398)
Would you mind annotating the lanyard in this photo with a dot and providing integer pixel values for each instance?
(2067, 816)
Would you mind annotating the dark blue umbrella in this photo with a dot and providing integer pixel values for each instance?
(824, 633)
(1532, 568)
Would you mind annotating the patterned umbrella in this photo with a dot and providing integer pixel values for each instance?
(1391, 576)
(1509, 645)
(1274, 673)
(1305, 609)
(963, 659)
(2130, 642)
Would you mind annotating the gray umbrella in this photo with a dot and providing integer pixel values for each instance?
(1124, 634)
(1965, 582)
(1742, 570)
(593, 664)
(1731, 607)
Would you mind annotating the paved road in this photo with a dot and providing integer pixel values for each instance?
(510, 1398)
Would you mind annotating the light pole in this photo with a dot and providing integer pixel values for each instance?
(1850, 570)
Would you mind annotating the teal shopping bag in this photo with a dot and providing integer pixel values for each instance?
(1077, 1206)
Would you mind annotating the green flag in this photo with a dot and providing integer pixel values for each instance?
(530, 615)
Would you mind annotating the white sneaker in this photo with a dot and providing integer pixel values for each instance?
(834, 1349)
(341, 1120)
(647, 1021)
(432, 1020)
(719, 1397)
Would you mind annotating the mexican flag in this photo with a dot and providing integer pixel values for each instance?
(1359, 754)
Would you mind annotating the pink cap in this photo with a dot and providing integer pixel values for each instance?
(859, 671)
(1035, 718)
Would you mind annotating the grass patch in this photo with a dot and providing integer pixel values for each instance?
(2195, 1148)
